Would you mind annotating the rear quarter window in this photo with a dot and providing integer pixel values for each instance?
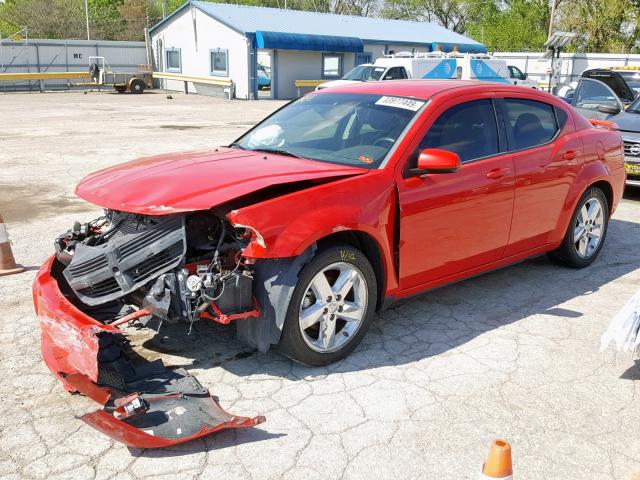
(561, 116)
(529, 122)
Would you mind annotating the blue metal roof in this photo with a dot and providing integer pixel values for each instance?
(250, 19)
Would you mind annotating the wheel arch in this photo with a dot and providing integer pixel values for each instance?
(607, 189)
(368, 246)
(593, 175)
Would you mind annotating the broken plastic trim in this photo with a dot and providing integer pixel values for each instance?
(145, 405)
(154, 420)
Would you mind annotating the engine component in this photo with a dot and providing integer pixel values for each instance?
(138, 249)
(236, 296)
(175, 267)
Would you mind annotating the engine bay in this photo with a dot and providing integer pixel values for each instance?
(176, 268)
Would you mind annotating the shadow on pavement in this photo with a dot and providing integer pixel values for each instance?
(418, 328)
(428, 324)
(217, 441)
(633, 372)
(631, 193)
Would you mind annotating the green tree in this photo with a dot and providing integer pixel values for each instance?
(451, 14)
(515, 25)
(45, 18)
(602, 25)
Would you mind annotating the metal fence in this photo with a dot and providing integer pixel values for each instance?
(38, 56)
(571, 64)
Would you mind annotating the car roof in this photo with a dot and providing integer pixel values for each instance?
(425, 89)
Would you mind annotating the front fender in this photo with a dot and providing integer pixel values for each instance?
(286, 226)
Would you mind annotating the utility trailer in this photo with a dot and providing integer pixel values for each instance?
(101, 75)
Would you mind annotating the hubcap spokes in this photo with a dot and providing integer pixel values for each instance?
(333, 307)
(588, 229)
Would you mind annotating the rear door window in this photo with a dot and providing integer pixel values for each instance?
(468, 129)
(529, 123)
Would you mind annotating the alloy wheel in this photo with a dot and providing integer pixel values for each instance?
(589, 228)
(333, 307)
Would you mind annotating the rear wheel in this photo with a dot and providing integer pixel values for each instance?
(121, 88)
(331, 307)
(136, 85)
(586, 233)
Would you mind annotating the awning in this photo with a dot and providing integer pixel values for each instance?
(302, 41)
(460, 47)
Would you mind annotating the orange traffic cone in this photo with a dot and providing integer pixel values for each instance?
(498, 464)
(7, 262)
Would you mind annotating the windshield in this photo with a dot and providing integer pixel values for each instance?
(364, 73)
(349, 129)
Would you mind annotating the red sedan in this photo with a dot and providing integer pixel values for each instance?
(328, 210)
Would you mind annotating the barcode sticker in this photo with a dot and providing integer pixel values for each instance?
(400, 102)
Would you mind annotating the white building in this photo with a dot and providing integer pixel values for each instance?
(224, 40)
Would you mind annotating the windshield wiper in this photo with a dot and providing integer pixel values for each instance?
(236, 145)
(277, 151)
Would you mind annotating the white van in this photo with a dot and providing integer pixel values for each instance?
(435, 65)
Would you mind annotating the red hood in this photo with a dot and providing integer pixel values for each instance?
(197, 180)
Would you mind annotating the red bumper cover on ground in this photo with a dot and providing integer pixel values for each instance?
(151, 407)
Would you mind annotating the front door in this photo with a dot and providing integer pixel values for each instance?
(453, 222)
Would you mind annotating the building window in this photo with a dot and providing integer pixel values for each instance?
(174, 60)
(219, 62)
(331, 65)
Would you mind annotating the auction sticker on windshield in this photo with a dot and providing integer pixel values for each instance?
(400, 102)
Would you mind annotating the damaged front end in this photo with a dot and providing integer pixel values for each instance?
(122, 267)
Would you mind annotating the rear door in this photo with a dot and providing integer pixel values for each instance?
(546, 158)
(453, 222)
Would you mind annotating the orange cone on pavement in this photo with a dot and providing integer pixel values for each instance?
(7, 262)
(498, 464)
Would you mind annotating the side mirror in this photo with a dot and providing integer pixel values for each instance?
(608, 109)
(525, 76)
(434, 160)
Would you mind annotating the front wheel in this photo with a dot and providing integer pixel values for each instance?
(586, 233)
(331, 307)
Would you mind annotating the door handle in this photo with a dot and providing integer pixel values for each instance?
(569, 155)
(497, 173)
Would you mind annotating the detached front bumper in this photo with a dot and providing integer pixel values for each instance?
(145, 405)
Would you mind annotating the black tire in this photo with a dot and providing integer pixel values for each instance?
(292, 343)
(567, 254)
(121, 89)
(136, 85)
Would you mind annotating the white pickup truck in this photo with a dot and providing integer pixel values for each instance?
(435, 65)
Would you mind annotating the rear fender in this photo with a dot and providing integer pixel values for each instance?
(592, 172)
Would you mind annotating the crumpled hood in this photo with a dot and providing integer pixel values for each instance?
(198, 180)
